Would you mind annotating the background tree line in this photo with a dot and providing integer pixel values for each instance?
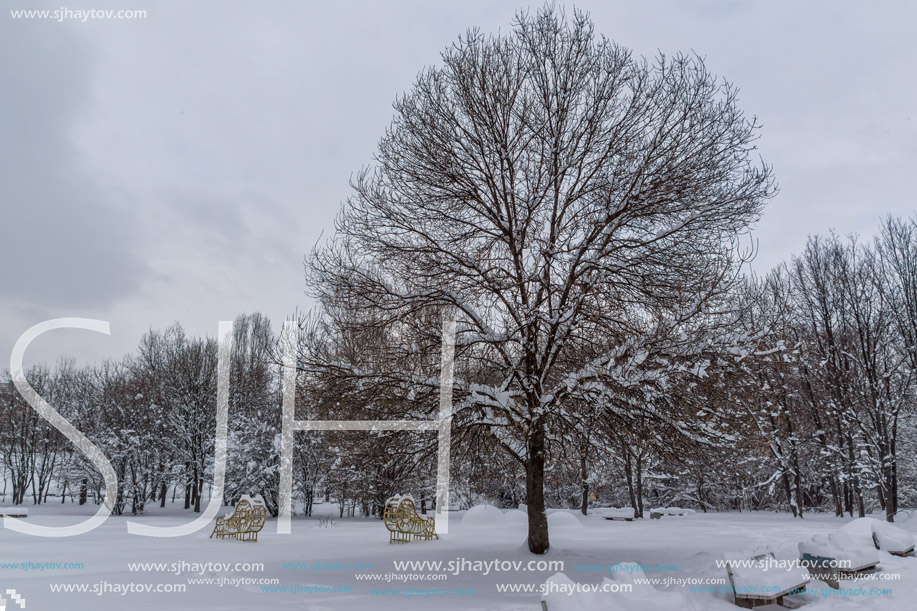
(809, 406)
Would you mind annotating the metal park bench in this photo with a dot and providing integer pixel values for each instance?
(403, 523)
(244, 523)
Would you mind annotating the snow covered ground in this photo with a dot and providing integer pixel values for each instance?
(315, 568)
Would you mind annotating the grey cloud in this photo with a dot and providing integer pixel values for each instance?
(62, 238)
(178, 168)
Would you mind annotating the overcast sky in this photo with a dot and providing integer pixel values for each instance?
(178, 167)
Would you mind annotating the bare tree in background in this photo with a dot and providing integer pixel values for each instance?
(549, 188)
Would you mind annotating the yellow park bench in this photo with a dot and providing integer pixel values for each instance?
(404, 525)
(244, 523)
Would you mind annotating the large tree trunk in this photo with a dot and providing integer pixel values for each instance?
(534, 491)
(198, 491)
(890, 473)
(700, 493)
(854, 479)
(797, 471)
(894, 481)
(628, 475)
(823, 441)
(638, 485)
(117, 510)
(188, 486)
(858, 493)
(585, 484)
(785, 478)
(800, 501)
(838, 507)
(889, 489)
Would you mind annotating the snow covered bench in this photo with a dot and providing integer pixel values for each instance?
(657, 513)
(892, 539)
(617, 513)
(14, 512)
(761, 580)
(836, 556)
(244, 523)
(869, 532)
(403, 523)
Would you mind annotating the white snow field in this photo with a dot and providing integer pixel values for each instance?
(352, 566)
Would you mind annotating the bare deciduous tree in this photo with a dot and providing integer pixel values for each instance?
(551, 190)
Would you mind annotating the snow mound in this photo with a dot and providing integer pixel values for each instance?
(642, 595)
(560, 595)
(516, 518)
(563, 519)
(484, 516)
(563, 594)
(14, 511)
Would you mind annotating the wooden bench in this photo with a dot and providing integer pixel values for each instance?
(756, 587)
(892, 539)
(660, 512)
(834, 556)
(403, 523)
(14, 512)
(244, 523)
(624, 514)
